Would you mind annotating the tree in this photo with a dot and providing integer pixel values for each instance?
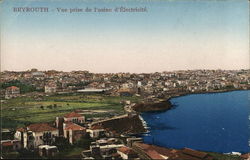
(24, 88)
(84, 142)
(62, 143)
(49, 106)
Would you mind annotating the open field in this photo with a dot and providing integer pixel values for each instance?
(21, 111)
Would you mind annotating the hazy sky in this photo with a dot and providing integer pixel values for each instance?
(172, 35)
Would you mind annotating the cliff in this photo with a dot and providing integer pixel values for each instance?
(153, 106)
(123, 125)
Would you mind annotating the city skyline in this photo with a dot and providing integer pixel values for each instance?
(83, 70)
(171, 35)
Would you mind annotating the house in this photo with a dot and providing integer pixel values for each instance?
(50, 88)
(11, 92)
(148, 151)
(126, 92)
(6, 134)
(104, 150)
(245, 156)
(126, 153)
(73, 132)
(190, 154)
(47, 150)
(36, 134)
(10, 145)
(111, 133)
(6, 146)
(96, 131)
(74, 117)
(21, 134)
(37, 74)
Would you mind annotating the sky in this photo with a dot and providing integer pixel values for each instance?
(171, 35)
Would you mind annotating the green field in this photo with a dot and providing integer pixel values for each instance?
(21, 111)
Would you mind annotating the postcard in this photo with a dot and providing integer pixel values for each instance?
(125, 79)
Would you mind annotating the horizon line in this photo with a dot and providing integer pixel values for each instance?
(124, 72)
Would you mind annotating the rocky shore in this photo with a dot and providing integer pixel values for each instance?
(153, 106)
(133, 124)
(166, 105)
(161, 105)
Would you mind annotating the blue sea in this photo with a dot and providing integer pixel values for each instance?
(217, 122)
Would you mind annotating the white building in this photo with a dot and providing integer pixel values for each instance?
(74, 117)
(36, 134)
(11, 92)
(126, 153)
(50, 88)
(96, 131)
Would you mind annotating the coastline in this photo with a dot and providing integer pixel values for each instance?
(144, 123)
(186, 94)
(165, 104)
(206, 92)
(152, 106)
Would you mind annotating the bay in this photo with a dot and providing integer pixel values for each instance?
(216, 122)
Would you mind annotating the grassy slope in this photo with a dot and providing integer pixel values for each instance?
(21, 111)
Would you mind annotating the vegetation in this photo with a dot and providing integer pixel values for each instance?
(10, 155)
(21, 111)
(24, 88)
(73, 152)
(84, 142)
(26, 154)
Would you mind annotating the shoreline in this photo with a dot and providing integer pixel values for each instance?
(152, 106)
(144, 123)
(205, 92)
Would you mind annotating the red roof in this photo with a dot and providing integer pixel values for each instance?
(154, 155)
(185, 154)
(126, 150)
(40, 127)
(7, 144)
(21, 129)
(95, 127)
(194, 153)
(72, 114)
(153, 151)
(74, 127)
(245, 156)
(12, 87)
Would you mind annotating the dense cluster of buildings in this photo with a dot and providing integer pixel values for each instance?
(43, 139)
(157, 85)
(106, 142)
